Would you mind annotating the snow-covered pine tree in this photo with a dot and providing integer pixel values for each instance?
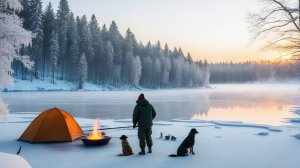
(127, 68)
(147, 71)
(108, 62)
(62, 19)
(25, 13)
(128, 58)
(73, 49)
(180, 53)
(86, 41)
(54, 53)
(104, 33)
(189, 58)
(135, 45)
(176, 69)
(37, 29)
(165, 61)
(85, 38)
(97, 65)
(137, 71)
(116, 39)
(206, 75)
(131, 66)
(12, 37)
(48, 27)
(166, 50)
(157, 71)
(82, 70)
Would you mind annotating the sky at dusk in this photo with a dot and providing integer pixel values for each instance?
(213, 29)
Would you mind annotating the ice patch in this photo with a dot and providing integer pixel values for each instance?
(155, 122)
(263, 133)
(205, 121)
(232, 124)
(165, 123)
(124, 120)
(296, 110)
(296, 120)
(297, 136)
(202, 125)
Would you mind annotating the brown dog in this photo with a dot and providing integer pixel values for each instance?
(126, 149)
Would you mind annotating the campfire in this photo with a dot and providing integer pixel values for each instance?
(95, 134)
(96, 137)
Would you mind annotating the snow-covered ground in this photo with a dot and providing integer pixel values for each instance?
(46, 85)
(12, 161)
(218, 145)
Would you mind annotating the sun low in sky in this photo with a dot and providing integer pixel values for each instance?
(216, 30)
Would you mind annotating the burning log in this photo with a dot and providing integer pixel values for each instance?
(96, 137)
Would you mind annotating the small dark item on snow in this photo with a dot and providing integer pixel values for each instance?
(173, 138)
(95, 142)
(167, 137)
(161, 135)
(19, 151)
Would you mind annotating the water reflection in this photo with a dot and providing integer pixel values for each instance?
(271, 115)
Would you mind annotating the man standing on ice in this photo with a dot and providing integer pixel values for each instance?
(143, 115)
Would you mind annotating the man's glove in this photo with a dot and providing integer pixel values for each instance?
(134, 125)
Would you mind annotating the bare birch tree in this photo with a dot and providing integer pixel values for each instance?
(278, 24)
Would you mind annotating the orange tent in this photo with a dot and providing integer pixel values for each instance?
(53, 125)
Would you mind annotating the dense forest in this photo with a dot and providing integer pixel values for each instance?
(273, 71)
(76, 49)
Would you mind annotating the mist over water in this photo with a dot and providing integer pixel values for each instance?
(260, 103)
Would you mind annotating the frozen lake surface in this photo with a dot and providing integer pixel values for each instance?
(251, 103)
(219, 144)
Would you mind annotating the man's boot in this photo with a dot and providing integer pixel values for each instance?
(149, 149)
(142, 152)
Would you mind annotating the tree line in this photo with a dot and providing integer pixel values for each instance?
(76, 49)
(228, 72)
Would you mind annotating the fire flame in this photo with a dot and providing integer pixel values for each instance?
(95, 133)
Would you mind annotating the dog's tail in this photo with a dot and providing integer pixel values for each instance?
(173, 155)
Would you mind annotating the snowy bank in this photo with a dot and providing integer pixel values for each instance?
(46, 85)
(12, 161)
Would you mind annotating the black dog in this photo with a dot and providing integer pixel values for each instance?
(188, 143)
